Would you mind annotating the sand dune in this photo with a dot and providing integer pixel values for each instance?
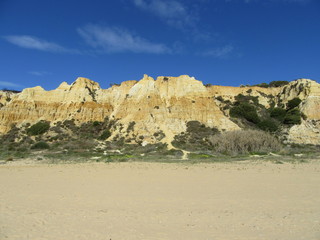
(121, 201)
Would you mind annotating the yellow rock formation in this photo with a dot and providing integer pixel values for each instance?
(165, 104)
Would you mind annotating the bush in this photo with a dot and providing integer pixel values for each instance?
(263, 85)
(195, 138)
(96, 123)
(159, 135)
(105, 135)
(131, 126)
(293, 103)
(293, 116)
(40, 145)
(240, 98)
(278, 113)
(244, 141)
(174, 152)
(278, 83)
(38, 128)
(272, 84)
(80, 145)
(246, 111)
(69, 124)
(219, 98)
(268, 125)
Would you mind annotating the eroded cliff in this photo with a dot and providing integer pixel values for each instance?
(164, 105)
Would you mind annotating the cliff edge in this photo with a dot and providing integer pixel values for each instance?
(164, 106)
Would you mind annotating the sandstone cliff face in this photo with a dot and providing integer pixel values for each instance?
(162, 105)
(308, 132)
(5, 97)
(308, 91)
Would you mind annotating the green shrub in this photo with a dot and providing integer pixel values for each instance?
(244, 141)
(263, 85)
(272, 84)
(40, 145)
(38, 128)
(268, 125)
(106, 134)
(240, 98)
(131, 126)
(79, 145)
(159, 135)
(219, 98)
(96, 123)
(195, 138)
(293, 116)
(293, 103)
(278, 83)
(174, 152)
(246, 111)
(69, 123)
(278, 113)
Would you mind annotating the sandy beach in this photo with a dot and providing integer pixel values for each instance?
(118, 201)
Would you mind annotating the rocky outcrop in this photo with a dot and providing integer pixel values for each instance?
(308, 132)
(6, 97)
(162, 105)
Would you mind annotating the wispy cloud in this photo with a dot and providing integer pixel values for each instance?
(9, 85)
(39, 73)
(172, 12)
(276, 1)
(113, 39)
(222, 52)
(292, 1)
(178, 14)
(32, 42)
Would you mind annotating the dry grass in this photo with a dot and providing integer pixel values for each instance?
(245, 141)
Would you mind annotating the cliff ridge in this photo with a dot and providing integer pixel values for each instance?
(163, 106)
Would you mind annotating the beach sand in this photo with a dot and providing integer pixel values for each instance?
(118, 201)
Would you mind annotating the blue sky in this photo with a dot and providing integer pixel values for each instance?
(222, 42)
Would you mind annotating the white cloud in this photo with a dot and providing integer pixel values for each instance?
(162, 8)
(38, 73)
(285, 1)
(172, 12)
(221, 52)
(9, 84)
(118, 40)
(297, 1)
(31, 42)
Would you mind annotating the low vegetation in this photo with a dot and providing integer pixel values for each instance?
(269, 125)
(278, 113)
(105, 134)
(195, 138)
(254, 115)
(244, 141)
(272, 84)
(38, 128)
(293, 103)
(99, 140)
(40, 145)
(293, 116)
(245, 110)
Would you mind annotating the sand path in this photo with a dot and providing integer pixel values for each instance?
(121, 201)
